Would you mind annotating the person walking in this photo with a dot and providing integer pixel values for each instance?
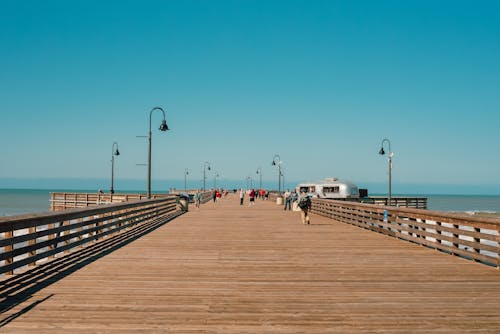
(197, 198)
(304, 205)
(288, 200)
(251, 196)
(242, 196)
(262, 192)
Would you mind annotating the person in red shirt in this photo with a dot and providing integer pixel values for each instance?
(252, 197)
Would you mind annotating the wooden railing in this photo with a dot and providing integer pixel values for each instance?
(403, 202)
(205, 195)
(62, 201)
(473, 238)
(29, 238)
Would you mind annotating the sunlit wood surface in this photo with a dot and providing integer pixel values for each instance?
(227, 268)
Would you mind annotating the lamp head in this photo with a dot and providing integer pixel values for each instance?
(381, 152)
(164, 126)
(117, 152)
(273, 163)
(209, 168)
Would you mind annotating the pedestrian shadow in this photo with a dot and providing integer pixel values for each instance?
(20, 288)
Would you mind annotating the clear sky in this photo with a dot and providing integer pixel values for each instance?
(320, 83)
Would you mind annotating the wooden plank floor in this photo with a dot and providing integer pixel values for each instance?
(238, 269)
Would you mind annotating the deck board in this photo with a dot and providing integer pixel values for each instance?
(228, 268)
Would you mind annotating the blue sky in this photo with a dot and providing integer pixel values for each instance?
(320, 83)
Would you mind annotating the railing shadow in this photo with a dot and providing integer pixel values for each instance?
(21, 287)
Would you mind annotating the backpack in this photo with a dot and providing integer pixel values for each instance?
(304, 203)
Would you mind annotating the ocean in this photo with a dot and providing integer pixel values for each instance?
(20, 201)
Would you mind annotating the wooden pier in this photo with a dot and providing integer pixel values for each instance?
(227, 268)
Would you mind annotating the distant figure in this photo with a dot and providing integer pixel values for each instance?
(197, 198)
(288, 200)
(262, 192)
(242, 196)
(294, 196)
(214, 196)
(267, 195)
(252, 197)
(304, 205)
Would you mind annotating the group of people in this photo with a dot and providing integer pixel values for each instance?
(217, 194)
(303, 200)
(253, 194)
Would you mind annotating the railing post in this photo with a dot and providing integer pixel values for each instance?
(51, 237)
(32, 242)
(498, 243)
(439, 232)
(477, 241)
(9, 248)
(456, 236)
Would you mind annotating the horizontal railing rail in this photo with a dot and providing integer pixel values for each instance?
(26, 239)
(62, 200)
(473, 238)
(403, 202)
(206, 195)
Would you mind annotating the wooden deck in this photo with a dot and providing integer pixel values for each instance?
(238, 269)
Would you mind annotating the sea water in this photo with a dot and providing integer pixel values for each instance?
(19, 201)
(464, 203)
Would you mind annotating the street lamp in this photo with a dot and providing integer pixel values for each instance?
(205, 165)
(215, 179)
(113, 153)
(259, 171)
(163, 127)
(186, 173)
(277, 161)
(390, 155)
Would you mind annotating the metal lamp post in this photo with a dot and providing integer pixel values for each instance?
(390, 155)
(215, 179)
(259, 171)
(205, 165)
(186, 173)
(277, 161)
(113, 153)
(163, 127)
(249, 182)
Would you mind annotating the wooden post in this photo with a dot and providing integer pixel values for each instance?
(9, 248)
(498, 243)
(456, 236)
(32, 242)
(439, 232)
(51, 237)
(478, 241)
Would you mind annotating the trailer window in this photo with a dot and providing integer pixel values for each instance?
(307, 189)
(331, 189)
